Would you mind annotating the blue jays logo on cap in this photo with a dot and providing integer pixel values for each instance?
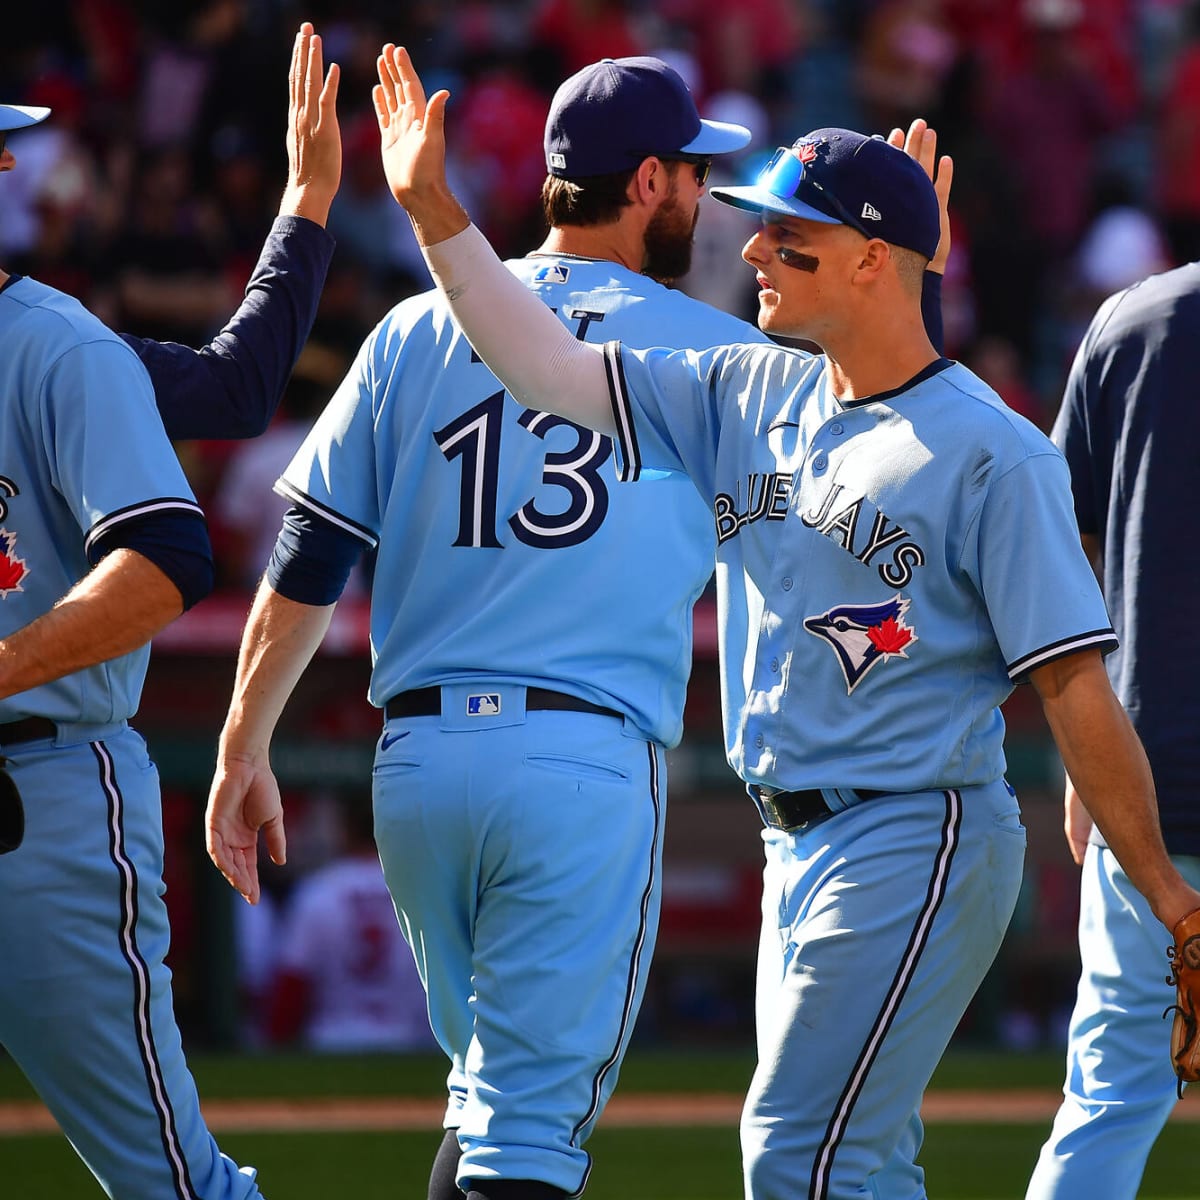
(486, 704)
(863, 635)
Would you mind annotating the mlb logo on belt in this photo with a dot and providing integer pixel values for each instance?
(484, 704)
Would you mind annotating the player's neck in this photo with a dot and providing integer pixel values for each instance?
(875, 343)
(615, 242)
(860, 367)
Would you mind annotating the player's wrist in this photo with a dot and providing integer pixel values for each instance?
(306, 200)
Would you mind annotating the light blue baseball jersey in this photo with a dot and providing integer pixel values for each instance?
(82, 449)
(504, 549)
(887, 569)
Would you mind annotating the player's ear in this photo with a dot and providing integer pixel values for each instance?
(650, 182)
(875, 258)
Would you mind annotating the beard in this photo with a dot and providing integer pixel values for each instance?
(669, 241)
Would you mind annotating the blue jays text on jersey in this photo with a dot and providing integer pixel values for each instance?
(876, 559)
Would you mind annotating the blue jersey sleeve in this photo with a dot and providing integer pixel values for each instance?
(108, 455)
(231, 387)
(334, 473)
(1026, 536)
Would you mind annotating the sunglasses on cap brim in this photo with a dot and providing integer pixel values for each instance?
(785, 176)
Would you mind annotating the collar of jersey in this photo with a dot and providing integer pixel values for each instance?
(935, 368)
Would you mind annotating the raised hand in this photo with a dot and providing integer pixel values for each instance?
(920, 142)
(413, 146)
(314, 141)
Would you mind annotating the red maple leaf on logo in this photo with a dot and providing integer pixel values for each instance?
(806, 152)
(12, 568)
(889, 637)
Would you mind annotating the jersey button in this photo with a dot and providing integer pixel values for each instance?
(819, 464)
(837, 428)
(758, 741)
(774, 664)
(787, 583)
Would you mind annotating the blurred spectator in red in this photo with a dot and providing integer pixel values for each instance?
(346, 977)
(739, 45)
(498, 140)
(578, 32)
(1002, 35)
(1178, 150)
(1049, 116)
(905, 55)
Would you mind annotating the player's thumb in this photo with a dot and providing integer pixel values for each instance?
(435, 113)
(276, 840)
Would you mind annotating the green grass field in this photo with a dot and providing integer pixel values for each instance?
(963, 1162)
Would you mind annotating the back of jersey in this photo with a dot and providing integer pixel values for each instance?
(506, 551)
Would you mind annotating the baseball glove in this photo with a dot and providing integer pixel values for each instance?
(1185, 976)
(12, 813)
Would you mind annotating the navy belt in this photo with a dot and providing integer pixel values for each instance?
(794, 810)
(427, 702)
(28, 729)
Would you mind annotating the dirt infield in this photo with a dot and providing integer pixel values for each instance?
(638, 1110)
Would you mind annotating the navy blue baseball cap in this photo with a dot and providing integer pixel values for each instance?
(18, 116)
(617, 112)
(841, 177)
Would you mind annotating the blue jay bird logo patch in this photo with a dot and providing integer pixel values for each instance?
(486, 704)
(863, 635)
(552, 273)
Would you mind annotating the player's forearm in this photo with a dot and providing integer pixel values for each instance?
(527, 348)
(279, 641)
(1106, 763)
(113, 610)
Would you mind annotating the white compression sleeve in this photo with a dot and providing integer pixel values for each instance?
(527, 348)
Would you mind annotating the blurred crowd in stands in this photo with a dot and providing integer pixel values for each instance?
(1075, 129)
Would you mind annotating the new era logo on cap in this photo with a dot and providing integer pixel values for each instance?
(871, 213)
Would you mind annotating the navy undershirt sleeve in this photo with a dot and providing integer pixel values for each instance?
(231, 388)
(175, 542)
(312, 558)
(931, 310)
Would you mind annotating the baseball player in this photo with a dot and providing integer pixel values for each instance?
(519, 782)
(874, 507)
(1123, 429)
(101, 544)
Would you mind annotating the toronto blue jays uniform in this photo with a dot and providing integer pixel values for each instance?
(85, 997)
(1123, 428)
(874, 570)
(531, 642)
